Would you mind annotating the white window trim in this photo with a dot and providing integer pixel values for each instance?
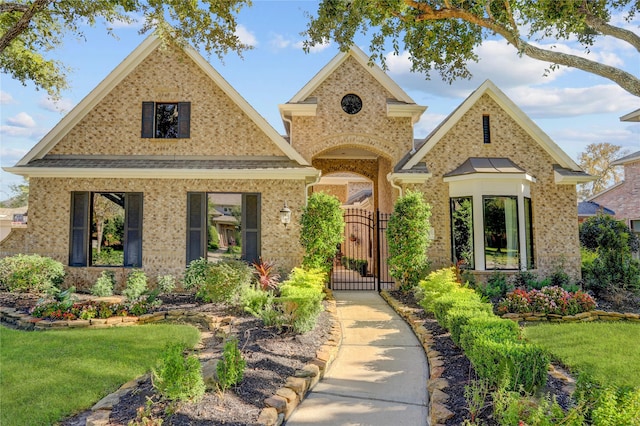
(478, 185)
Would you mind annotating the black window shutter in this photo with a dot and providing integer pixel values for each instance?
(133, 229)
(148, 115)
(184, 119)
(79, 235)
(196, 225)
(251, 227)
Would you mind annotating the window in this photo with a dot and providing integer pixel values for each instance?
(486, 129)
(106, 229)
(501, 242)
(462, 232)
(209, 232)
(166, 120)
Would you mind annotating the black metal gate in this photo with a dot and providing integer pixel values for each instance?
(361, 260)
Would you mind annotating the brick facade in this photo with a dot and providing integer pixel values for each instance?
(624, 199)
(220, 128)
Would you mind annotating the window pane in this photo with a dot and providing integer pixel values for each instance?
(107, 229)
(528, 229)
(166, 120)
(224, 218)
(501, 233)
(462, 232)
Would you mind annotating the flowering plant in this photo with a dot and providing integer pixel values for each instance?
(548, 300)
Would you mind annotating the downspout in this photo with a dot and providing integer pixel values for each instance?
(309, 185)
(288, 120)
(393, 184)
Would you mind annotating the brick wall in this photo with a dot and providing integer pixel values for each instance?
(555, 219)
(624, 199)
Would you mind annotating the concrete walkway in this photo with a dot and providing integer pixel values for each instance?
(379, 376)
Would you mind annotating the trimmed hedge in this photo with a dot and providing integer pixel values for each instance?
(493, 345)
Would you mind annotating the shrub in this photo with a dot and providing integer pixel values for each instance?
(497, 284)
(549, 300)
(605, 232)
(30, 273)
(617, 407)
(322, 230)
(490, 327)
(301, 298)
(194, 275)
(458, 317)
(437, 284)
(261, 304)
(408, 239)
(213, 238)
(462, 297)
(508, 362)
(224, 282)
(166, 283)
(104, 285)
(136, 285)
(230, 368)
(178, 378)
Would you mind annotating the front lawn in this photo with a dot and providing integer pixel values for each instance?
(608, 351)
(47, 376)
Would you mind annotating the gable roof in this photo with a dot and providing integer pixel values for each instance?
(400, 105)
(490, 89)
(634, 156)
(591, 208)
(134, 59)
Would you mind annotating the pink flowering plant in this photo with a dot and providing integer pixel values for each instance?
(548, 300)
(87, 310)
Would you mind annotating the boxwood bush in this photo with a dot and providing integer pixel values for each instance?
(220, 282)
(30, 273)
(493, 345)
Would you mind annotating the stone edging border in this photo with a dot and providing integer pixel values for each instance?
(439, 412)
(278, 407)
(581, 317)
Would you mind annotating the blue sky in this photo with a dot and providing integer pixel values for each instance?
(573, 107)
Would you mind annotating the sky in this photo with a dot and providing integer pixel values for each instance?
(573, 107)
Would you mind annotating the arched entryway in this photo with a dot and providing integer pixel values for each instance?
(357, 177)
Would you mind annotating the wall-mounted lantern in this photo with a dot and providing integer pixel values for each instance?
(285, 215)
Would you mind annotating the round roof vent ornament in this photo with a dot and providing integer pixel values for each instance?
(351, 104)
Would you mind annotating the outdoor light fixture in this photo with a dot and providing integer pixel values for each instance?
(285, 215)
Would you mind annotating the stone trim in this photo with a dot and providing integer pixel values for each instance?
(280, 406)
(581, 317)
(439, 412)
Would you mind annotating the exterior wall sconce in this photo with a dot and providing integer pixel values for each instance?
(285, 215)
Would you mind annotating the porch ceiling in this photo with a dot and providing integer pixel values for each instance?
(348, 154)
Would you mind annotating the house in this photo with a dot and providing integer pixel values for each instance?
(126, 178)
(12, 218)
(587, 209)
(624, 196)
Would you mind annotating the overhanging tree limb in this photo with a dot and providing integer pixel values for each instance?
(22, 23)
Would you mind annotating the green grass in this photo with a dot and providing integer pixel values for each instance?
(47, 376)
(608, 351)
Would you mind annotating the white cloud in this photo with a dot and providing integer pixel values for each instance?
(315, 49)
(571, 102)
(498, 62)
(62, 105)
(11, 155)
(22, 119)
(136, 22)
(278, 42)
(5, 98)
(246, 36)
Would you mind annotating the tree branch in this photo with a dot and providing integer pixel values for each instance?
(22, 23)
(603, 27)
(13, 7)
(627, 81)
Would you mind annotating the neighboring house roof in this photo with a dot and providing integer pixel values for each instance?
(134, 59)
(360, 196)
(7, 213)
(626, 159)
(590, 208)
(302, 104)
(490, 89)
(632, 116)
